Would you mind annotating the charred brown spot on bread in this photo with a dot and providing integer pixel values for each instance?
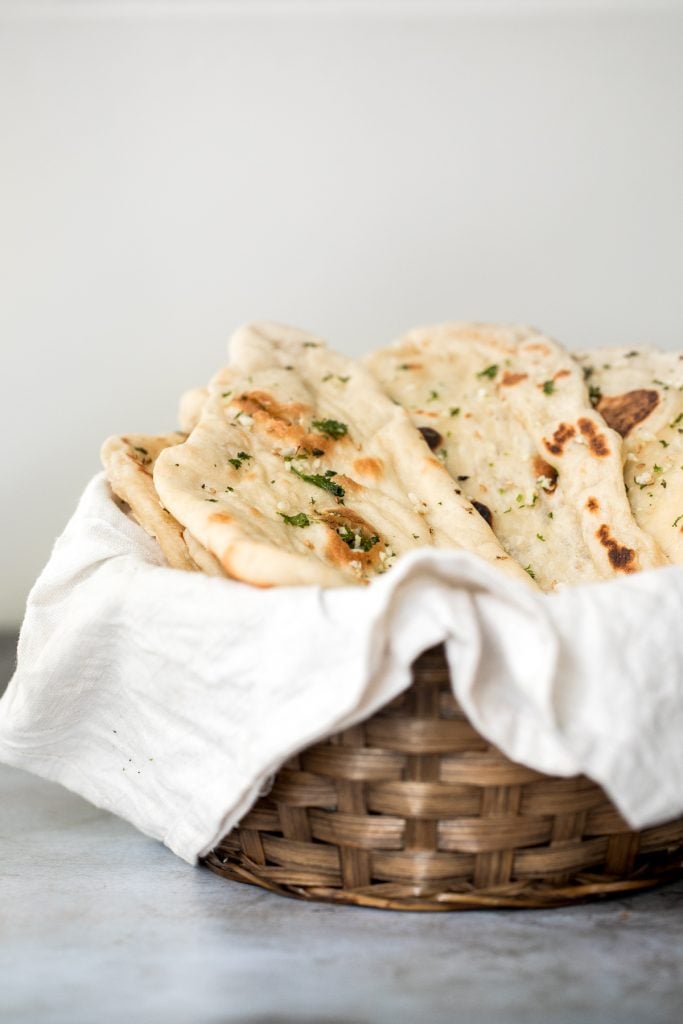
(346, 482)
(432, 437)
(279, 430)
(484, 511)
(622, 559)
(593, 505)
(543, 468)
(348, 517)
(220, 517)
(512, 378)
(351, 538)
(252, 402)
(562, 373)
(624, 412)
(369, 467)
(597, 442)
(282, 422)
(410, 366)
(564, 433)
(293, 436)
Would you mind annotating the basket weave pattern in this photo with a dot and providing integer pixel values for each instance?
(414, 810)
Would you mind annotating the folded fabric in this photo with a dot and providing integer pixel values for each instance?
(170, 697)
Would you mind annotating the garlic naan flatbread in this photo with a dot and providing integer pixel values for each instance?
(640, 394)
(507, 411)
(129, 463)
(190, 408)
(301, 470)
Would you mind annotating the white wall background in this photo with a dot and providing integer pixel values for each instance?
(169, 170)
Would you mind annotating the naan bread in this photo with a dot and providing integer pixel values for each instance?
(191, 404)
(203, 559)
(640, 394)
(507, 411)
(302, 471)
(129, 462)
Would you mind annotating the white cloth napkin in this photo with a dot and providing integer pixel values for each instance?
(169, 697)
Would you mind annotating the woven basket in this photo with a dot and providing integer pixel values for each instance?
(414, 810)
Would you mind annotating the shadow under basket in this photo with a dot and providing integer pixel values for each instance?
(414, 810)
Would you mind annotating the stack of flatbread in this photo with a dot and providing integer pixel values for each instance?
(296, 465)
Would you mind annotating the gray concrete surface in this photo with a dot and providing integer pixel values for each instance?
(100, 924)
